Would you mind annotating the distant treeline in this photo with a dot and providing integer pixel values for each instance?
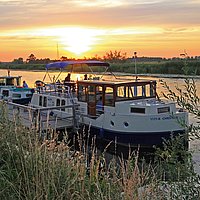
(187, 67)
(164, 67)
(25, 66)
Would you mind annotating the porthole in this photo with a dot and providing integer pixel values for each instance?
(112, 123)
(126, 124)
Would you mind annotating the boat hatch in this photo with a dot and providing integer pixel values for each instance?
(15, 95)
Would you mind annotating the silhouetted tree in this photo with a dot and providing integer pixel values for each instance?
(63, 58)
(18, 61)
(31, 59)
(115, 56)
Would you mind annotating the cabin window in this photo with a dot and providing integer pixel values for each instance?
(40, 100)
(58, 102)
(2, 81)
(5, 93)
(82, 93)
(16, 95)
(91, 93)
(164, 110)
(10, 81)
(152, 90)
(138, 110)
(127, 92)
(147, 90)
(109, 96)
(18, 81)
(124, 92)
(63, 104)
(99, 91)
(140, 91)
(45, 102)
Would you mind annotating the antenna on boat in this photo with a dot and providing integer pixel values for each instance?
(57, 52)
(135, 56)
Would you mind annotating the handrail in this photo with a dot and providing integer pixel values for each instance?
(41, 109)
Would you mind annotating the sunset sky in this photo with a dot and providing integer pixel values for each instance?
(79, 28)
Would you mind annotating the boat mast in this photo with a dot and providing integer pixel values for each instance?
(57, 52)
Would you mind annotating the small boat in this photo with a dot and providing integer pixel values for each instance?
(11, 90)
(124, 111)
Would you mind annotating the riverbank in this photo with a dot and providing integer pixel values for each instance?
(175, 67)
(179, 76)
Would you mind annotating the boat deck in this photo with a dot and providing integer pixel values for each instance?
(42, 119)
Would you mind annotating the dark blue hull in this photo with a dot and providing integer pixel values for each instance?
(142, 140)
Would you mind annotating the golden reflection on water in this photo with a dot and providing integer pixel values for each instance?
(31, 76)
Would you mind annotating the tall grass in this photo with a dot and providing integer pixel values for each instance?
(31, 169)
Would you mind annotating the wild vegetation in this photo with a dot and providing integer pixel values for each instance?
(49, 169)
(165, 67)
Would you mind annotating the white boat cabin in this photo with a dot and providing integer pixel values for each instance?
(11, 89)
(100, 93)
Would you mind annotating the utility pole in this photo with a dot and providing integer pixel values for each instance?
(185, 67)
(135, 56)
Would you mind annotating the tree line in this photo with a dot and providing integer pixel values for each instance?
(121, 63)
(111, 56)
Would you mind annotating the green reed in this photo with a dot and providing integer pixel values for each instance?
(51, 169)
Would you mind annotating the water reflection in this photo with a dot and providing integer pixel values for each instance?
(31, 76)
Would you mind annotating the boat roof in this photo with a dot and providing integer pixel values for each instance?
(117, 82)
(64, 64)
(9, 77)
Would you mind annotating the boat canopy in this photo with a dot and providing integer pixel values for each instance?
(61, 65)
(64, 64)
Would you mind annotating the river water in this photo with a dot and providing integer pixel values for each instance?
(31, 76)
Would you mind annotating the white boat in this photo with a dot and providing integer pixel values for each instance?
(130, 112)
(11, 90)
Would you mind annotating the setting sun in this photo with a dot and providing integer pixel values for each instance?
(78, 40)
(93, 28)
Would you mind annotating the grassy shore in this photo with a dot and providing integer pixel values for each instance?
(35, 169)
(164, 67)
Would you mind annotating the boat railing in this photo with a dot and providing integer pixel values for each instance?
(43, 118)
(56, 90)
